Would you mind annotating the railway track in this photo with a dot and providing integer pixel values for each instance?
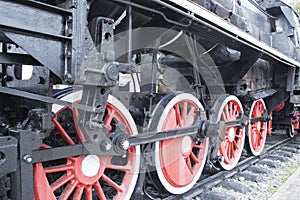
(275, 150)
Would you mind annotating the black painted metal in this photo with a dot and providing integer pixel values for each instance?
(37, 27)
(8, 155)
(22, 179)
(159, 136)
(5, 90)
(58, 153)
(13, 58)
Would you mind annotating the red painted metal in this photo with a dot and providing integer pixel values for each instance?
(295, 120)
(71, 181)
(257, 131)
(279, 107)
(233, 143)
(179, 167)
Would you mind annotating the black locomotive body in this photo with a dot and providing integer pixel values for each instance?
(104, 99)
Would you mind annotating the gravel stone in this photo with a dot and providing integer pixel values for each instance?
(210, 195)
(276, 157)
(271, 179)
(238, 187)
(260, 170)
(242, 176)
(285, 154)
(289, 149)
(270, 163)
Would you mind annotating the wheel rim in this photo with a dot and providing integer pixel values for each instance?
(179, 162)
(257, 131)
(89, 176)
(232, 146)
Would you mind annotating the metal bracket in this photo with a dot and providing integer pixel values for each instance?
(8, 154)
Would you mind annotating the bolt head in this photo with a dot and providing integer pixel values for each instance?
(27, 158)
(112, 72)
(106, 146)
(125, 144)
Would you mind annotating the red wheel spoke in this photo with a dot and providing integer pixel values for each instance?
(258, 141)
(189, 164)
(184, 113)
(61, 181)
(78, 193)
(222, 148)
(194, 158)
(235, 145)
(240, 134)
(223, 151)
(235, 112)
(226, 111)
(257, 111)
(178, 115)
(45, 146)
(68, 190)
(232, 150)
(231, 110)
(186, 168)
(88, 193)
(190, 116)
(62, 132)
(254, 126)
(112, 183)
(109, 118)
(99, 191)
(58, 168)
(228, 152)
(192, 111)
(255, 138)
(198, 146)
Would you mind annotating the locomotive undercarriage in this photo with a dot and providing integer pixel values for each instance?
(136, 101)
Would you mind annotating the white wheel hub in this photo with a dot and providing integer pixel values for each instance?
(90, 165)
(231, 134)
(186, 144)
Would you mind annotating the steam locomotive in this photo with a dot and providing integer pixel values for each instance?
(120, 99)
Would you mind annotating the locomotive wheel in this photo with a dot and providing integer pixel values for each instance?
(257, 131)
(228, 109)
(88, 176)
(178, 162)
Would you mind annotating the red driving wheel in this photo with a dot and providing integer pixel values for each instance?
(179, 162)
(257, 131)
(229, 109)
(88, 176)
